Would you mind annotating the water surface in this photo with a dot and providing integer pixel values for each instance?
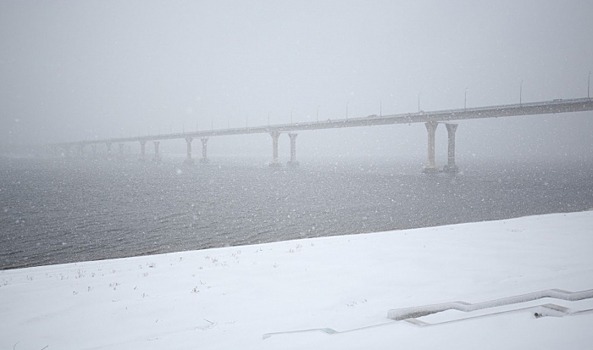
(57, 211)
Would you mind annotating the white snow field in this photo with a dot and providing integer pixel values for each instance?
(323, 293)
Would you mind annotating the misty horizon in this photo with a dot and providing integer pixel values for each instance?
(74, 71)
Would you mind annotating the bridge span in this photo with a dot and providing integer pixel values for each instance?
(431, 120)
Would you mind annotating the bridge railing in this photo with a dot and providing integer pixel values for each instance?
(421, 116)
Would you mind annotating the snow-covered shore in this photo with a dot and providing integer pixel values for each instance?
(256, 297)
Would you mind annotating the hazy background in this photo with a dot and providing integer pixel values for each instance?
(74, 70)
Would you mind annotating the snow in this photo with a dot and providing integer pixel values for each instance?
(267, 296)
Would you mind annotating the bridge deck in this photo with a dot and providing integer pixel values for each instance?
(536, 108)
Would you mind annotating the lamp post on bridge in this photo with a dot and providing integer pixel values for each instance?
(317, 114)
(589, 85)
(347, 102)
(465, 100)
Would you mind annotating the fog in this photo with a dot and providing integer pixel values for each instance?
(80, 70)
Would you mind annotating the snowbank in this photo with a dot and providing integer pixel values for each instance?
(339, 288)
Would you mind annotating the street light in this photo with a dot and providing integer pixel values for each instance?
(317, 114)
(347, 102)
(465, 100)
(589, 85)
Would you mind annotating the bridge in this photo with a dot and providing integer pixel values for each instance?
(431, 120)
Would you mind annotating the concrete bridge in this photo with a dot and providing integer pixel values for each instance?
(431, 120)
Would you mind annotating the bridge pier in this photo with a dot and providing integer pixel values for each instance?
(451, 167)
(188, 159)
(293, 162)
(142, 150)
(275, 135)
(431, 128)
(204, 150)
(157, 156)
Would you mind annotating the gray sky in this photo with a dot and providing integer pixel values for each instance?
(73, 70)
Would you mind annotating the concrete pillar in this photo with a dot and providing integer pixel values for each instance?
(142, 150)
(157, 156)
(204, 150)
(451, 167)
(188, 159)
(293, 161)
(431, 128)
(275, 162)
